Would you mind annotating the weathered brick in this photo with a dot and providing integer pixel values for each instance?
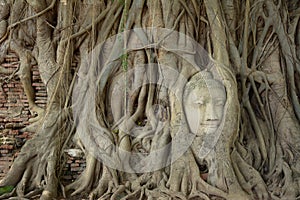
(6, 146)
(41, 94)
(4, 151)
(14, 126)
(18, 89)
(69, 161)
(11, 85)
(35, 72)
(40, 88)
(36, 79)
(10, 105)
(13, 97)
(74, 165)
(14, 132)
(15, 120)
(38, 84)
(41, 98)
(76, 169)
(9, 92)
(6, 159)
(4, 162)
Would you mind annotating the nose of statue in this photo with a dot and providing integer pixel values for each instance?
(211, 114)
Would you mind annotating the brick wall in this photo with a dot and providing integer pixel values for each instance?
(14, 115)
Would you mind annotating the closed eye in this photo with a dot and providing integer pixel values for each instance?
(220, 103)
(200, 102)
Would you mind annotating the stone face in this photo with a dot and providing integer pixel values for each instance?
(204, 100)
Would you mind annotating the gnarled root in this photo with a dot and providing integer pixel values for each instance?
(37, 112)
(107, 184)
(35, 169)
(84, 182)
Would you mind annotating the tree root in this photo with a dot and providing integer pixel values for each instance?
(107, 184)
(37, 112)
(84, 182)
(252, 178)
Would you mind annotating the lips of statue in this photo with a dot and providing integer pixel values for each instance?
(204, 109)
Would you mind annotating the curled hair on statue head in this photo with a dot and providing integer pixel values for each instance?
(203, 79)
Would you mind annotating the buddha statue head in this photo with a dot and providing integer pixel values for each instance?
(203, 103)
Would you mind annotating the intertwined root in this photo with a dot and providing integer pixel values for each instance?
(260, 54)
(37, 112)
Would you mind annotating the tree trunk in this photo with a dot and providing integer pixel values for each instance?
(169, 99)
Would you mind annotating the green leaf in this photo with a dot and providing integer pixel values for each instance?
(6, 189)
(115, 131)
(122, 2)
